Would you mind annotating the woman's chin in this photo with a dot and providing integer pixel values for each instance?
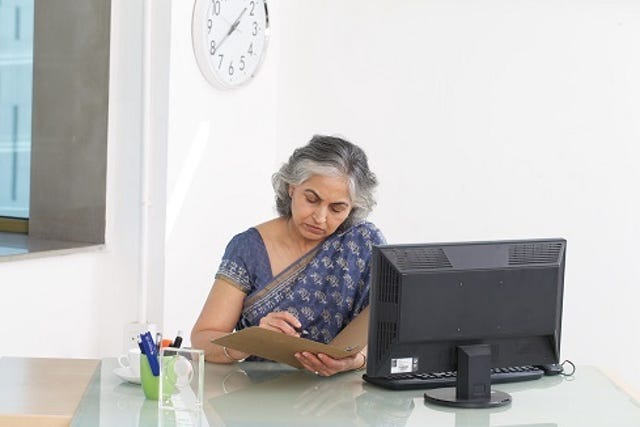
(311, 233)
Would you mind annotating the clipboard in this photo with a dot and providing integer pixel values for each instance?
(281, 348)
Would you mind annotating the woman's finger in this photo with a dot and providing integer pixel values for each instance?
(322, 364)
(282, 322)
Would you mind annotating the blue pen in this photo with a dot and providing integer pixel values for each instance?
(149, 348)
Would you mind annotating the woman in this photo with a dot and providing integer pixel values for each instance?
(306, 271)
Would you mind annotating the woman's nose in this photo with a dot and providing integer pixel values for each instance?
(320, 215)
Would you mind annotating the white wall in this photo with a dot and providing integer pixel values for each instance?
(483, 120)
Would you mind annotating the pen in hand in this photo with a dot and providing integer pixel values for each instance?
(301, 331)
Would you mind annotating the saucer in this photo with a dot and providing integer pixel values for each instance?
(126, 375)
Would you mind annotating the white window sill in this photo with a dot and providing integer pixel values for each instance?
(14, 246)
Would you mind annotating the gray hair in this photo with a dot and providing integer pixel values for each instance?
(328, 156)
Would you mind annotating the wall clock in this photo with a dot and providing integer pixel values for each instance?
(229, 39)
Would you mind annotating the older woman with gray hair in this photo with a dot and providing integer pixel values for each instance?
(306, 270)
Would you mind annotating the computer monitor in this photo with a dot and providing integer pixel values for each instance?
(468, 307)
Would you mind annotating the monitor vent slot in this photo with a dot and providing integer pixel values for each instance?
(387, 333)
(535, 253)
(389, 281)
(419, 258)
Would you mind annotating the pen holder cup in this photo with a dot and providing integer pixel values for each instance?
(150, 382)
(181, 385)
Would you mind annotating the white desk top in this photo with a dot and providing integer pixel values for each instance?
(42, 392)
(266, 394)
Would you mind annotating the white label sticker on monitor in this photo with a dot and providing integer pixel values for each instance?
(404, 365)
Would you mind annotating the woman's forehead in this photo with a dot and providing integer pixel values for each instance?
(332, 188)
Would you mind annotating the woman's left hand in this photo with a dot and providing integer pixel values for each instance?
(324, 365)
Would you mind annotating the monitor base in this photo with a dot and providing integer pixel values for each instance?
(447, 397)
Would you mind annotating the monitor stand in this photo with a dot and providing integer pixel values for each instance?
(473, 383)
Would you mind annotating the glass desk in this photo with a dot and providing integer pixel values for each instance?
(267, 394)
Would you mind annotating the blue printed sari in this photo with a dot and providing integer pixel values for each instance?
(324, 289)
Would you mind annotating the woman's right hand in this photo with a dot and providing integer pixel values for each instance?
(281, 321)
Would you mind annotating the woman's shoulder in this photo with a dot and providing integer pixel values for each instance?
(245, 241)
(249, 234)
(365, 231)
(271, 229)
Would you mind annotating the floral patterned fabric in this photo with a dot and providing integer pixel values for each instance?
(325, 289)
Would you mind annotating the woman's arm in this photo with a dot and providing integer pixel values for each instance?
(218, 318)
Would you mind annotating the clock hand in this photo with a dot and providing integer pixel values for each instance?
(231, 30)
(236, 22)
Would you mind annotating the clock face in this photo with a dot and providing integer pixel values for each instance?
(229, 39)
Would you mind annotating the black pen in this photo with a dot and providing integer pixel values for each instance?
(301, 331)
(178, 341)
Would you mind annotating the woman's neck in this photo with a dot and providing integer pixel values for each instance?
(296, 240)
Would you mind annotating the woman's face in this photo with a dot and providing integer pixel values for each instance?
(319, 205)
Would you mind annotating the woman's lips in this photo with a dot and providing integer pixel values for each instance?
(314, 230)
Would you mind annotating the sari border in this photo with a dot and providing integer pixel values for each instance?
(227, 279)
(283, 277)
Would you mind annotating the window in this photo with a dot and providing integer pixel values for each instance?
(65, 194)
(16, 73)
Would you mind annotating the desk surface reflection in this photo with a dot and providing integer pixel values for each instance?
(269, 394)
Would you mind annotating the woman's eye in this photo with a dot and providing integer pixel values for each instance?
(338, 209)
(312, 199)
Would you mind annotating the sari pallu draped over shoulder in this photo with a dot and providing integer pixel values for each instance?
(324, 289)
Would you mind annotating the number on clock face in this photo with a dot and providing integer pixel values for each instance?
(234, 34)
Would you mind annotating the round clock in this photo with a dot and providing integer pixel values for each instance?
(229, 39)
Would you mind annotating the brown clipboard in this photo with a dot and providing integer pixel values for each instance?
(281, 348)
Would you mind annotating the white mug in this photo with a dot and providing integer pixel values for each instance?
(131, 361)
